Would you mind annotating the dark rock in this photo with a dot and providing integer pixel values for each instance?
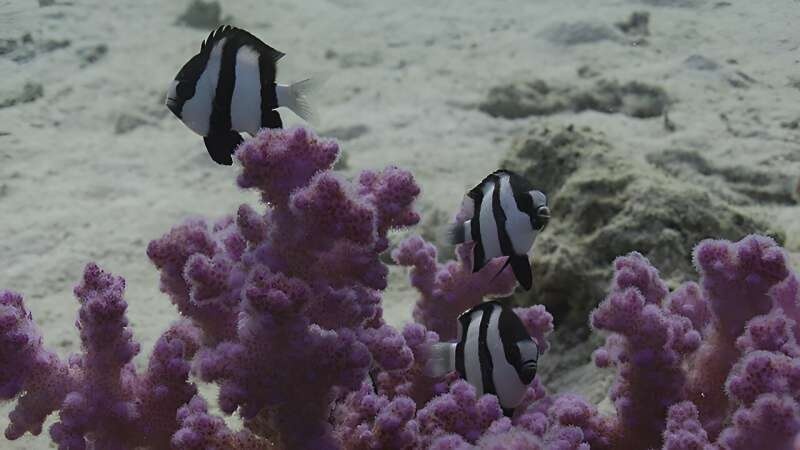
(606, 204)
(633, 98)
(587, 72)
(128, 122)
(30, 92)
(533, 98)
(25, 48)
(90, 55)
(52, 45)
(200, 14)
(536, 98)
(791, 124)
(700, 62)
(7, 46)
(638, 24)
(577, 33)
(359, 59)
(735, 183)
(673, 3)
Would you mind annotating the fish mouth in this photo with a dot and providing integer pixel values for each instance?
(543, 212)
(543, 216)
(528, 371)
(172, 105)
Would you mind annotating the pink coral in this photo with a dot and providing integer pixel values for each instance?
(281, 308)
(684, 431)
(449, 289)
(649, 349)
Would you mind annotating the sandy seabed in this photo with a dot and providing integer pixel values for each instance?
(93, 167)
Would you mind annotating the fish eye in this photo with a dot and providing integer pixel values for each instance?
(539, 198)
(543, 216)
(185, 90)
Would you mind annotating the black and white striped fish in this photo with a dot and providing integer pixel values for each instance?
(506, 214)
(229, 87)
(494, 353)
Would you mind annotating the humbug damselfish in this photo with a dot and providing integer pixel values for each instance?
(493, 352)
(505, 216)
(229, 87)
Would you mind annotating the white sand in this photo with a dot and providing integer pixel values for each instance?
(73, 191)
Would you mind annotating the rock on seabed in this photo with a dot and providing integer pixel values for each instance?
(605, 204)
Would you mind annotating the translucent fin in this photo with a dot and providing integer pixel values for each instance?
(297, 99)
(456, 234)
(442, 359)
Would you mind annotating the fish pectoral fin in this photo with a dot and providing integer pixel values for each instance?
(522, 270)
(508, 261)
(221, 145)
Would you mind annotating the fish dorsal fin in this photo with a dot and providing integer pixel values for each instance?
(484, 306)
(477, 192)
(244, 38)
(213, 37)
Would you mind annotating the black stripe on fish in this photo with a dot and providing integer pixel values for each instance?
(506, 247)
(484, 357)
(221, 141)
(269, 97)
(271, 119)
(512, 330)
(478, 253)
(221, 109)
(463, 322)
(498, 342)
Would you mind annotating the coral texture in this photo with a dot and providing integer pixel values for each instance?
(281, 309)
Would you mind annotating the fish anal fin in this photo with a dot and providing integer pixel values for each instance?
(442, 359)
(271, 119)
(221, 145)
(478, 262)
(522, 270)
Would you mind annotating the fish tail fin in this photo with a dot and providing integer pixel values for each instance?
(457, 233)
(442, 359)
(299, 92)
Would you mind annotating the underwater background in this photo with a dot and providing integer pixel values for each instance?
(650, 124)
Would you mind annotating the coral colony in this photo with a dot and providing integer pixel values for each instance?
(282, 310)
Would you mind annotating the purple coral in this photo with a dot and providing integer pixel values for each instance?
(684, 431)
(649, 346)
(28, 369)
(737, 328)
(281, 308)
(449, 289)
(367, 420)
(100, 395)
